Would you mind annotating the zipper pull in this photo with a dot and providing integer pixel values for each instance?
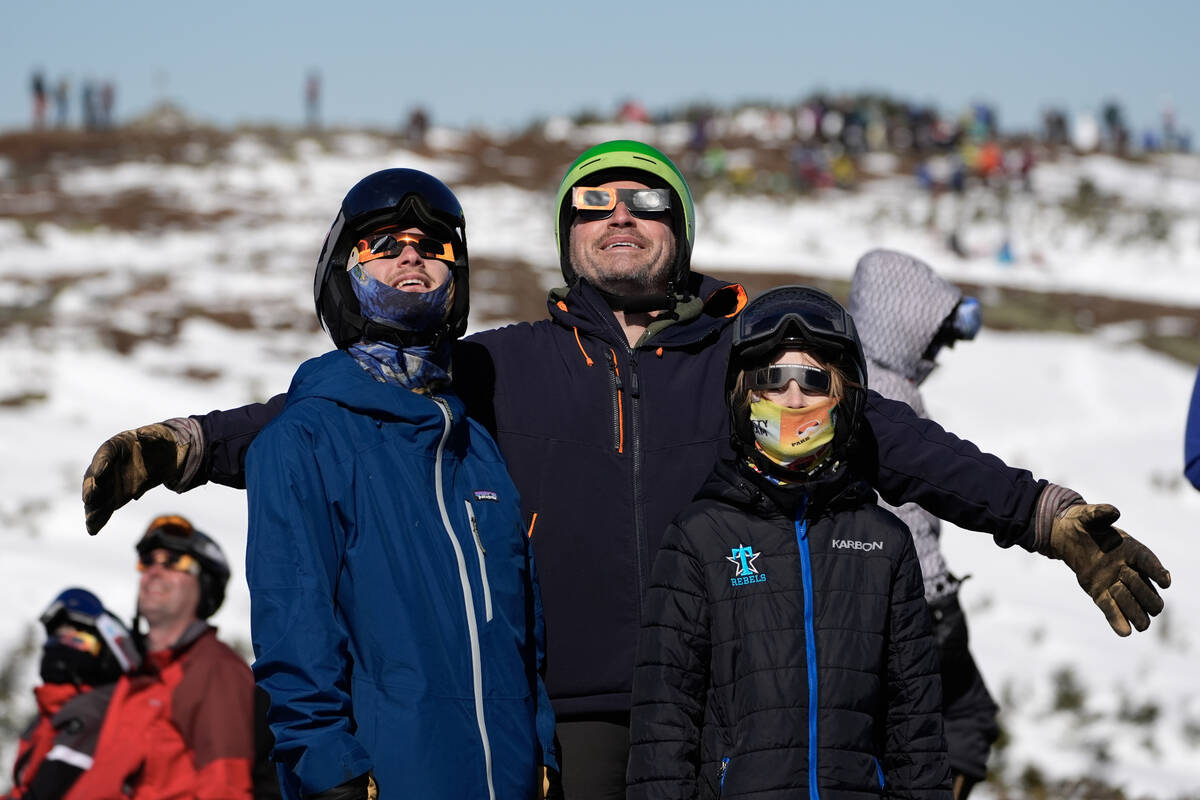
(633, 379)
(475, 530)
(444, 405)
(612, 364)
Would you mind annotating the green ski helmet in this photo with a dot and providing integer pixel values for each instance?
(625, 159)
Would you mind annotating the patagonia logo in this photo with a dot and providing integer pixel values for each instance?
(485, 494)
(853, 544)
(742, 557)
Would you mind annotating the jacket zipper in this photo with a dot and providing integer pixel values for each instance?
(468, 600)
(630, 387)
(810, 648)
(635, 443)
(724, 771)
(487, 591)
(618, 422)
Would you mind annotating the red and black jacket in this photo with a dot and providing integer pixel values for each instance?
(60, 743)
(183, 726)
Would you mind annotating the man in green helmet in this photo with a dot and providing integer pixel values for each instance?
(610, 414)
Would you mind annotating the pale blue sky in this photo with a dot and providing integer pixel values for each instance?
(504, 63)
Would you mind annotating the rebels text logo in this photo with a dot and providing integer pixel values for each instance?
(743, 558)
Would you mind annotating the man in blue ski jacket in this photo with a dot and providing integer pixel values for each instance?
(610, 414)
(395, 615)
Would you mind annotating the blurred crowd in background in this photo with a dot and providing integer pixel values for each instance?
(821, 143)
(833, 141)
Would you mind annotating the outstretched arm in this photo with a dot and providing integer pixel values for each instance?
(180, 453)
(918, 461)
(187, 452)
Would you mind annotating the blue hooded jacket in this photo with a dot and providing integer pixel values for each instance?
(395, 614)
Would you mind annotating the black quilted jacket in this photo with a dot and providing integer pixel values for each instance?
(786, 652)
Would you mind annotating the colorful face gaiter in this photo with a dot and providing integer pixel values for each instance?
(418, 367)
(798, 438)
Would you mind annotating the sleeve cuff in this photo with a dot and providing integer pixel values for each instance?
(1052, 502)
(187, 430)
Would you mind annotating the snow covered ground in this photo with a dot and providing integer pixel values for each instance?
(1095, 413)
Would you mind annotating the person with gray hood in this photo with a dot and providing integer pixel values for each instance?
(905, 313)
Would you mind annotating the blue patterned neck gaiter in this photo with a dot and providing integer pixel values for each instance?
(417, 368)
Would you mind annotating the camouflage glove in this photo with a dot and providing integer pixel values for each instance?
(1115, 569)
(133, 462)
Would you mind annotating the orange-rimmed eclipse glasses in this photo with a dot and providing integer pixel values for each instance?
(391, 245)
(596, 202)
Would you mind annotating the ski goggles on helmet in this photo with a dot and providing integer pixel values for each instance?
(595, 202)
(170, 559)
(391, 245)
(72, 637)
(772, 378)
(74, 606)
(75, 614)
(963, 322)
(967, 319)
(169, 531)
(793, 315)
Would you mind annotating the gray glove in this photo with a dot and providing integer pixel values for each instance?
(132, 462)
(1115, 569)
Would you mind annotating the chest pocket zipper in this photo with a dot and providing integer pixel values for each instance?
(479, 549)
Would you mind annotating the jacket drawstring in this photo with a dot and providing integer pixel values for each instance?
(562, 306)
(585, 355)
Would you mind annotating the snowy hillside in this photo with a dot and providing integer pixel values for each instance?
(138, 288)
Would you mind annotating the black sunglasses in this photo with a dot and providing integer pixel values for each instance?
(808, 378)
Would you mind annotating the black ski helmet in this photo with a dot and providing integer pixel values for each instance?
(808, 319)
(177, 534)
(85, 643)
(390, 197)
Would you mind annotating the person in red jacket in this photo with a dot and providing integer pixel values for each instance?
(87, 650)
(183, 724)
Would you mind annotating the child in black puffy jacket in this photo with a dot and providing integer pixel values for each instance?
(786, 647)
